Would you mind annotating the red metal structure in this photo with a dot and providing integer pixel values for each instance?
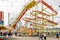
(30, 5)
(1, 15)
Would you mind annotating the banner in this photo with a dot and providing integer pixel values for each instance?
(1, 18)
(1, 22)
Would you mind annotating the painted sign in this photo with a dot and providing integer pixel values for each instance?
(1, 22)
(1, 18)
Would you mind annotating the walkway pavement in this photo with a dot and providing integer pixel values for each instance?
(29, 38)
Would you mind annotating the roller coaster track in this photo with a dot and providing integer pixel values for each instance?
(43, 2)
(42, 17)
(30, 5)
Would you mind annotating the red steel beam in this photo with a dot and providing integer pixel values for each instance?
(43, 2)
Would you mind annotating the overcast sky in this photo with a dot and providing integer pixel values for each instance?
(14, 7)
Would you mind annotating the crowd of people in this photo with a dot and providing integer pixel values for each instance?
(4, 34)
(42, 36)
